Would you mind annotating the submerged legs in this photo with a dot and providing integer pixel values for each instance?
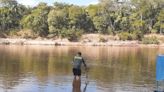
(76, 84)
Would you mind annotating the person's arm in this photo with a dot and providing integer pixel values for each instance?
(84, 63)
(73, 60)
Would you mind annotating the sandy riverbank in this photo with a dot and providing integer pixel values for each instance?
(85, 40)
(65, 42)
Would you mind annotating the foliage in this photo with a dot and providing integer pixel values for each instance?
(125, 36)
(130, 20)
(26, 33)
(71, 34)
(150, 40)
(101, 39)
(37, 20)
(10, 14)
(135, 35)
(79, 19)
(57, 20)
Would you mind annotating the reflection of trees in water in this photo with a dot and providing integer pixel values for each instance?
(10, 72)
(125, 65)
(108, 64)
(41, 62)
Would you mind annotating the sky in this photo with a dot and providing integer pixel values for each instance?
(50, 2)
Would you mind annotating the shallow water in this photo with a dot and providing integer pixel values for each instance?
(49, 69)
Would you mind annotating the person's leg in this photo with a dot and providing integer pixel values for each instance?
(78, 83)
(78, 74)
(77, 77)
(74, 73)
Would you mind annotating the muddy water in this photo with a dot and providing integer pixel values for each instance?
(49, 69)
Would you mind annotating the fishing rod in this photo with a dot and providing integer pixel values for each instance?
(86, 79)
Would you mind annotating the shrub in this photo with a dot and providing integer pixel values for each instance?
(3, 35)
(26, 33)
(135, 35)
(123, 36)
(150, 40)
(13, 32)
(127, 36)
(101, 39)
(138, 35)
(154, 31)
(71, 34)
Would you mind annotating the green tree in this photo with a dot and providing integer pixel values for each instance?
(93, 10)
(37, 20)
(79, 19)
(58, 19)
(10, 14)
(160, 22)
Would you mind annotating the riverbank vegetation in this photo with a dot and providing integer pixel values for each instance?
(127, 19)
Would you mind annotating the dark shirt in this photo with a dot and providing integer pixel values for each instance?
(78, 60)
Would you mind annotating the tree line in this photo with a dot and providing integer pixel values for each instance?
(130, 19)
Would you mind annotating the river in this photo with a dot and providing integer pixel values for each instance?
(48, 68)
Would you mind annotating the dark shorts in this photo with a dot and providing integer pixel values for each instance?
(76, 72)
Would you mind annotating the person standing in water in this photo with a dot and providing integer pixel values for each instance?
(77, 62)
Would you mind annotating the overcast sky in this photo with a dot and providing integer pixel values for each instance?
(50, 2)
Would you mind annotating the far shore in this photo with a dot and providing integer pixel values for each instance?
(64, 42)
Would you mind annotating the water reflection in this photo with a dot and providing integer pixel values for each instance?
(48, 68)
(76, 85)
